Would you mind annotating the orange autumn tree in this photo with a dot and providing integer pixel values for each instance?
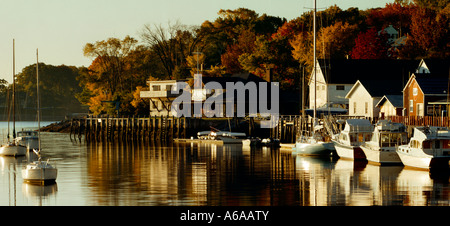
(105, 81)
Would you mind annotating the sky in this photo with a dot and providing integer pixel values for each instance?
(61, 28)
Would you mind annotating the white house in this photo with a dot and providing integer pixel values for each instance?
(160, 96)
(390, 105)
(366, 94)
(336, 77)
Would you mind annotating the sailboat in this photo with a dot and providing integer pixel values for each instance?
(13, 148)
(39, 171)
(315, 144)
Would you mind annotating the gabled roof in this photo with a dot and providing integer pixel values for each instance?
(348, 71)
(436, 66)
(378, 88)
(395, 100)
(430, 83)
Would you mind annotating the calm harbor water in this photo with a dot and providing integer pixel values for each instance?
(142, 174)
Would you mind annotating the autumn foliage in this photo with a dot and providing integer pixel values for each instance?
(242, 40)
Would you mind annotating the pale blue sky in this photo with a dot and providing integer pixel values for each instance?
(60, 28)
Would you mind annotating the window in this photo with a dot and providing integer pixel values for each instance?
(419, 109)
(411, 106)
(340, 87)
(156, 88)
(354, 107)
(168, 87)
(415, 91)
(366, 108)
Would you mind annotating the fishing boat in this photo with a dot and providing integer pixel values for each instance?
(386, 137)
(347, 142)
(315, 143)
(39, 171)
(28, 138)
(429, 148)
(12, 148)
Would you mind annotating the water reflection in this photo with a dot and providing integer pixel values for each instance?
(188, 174)
(197, 174)
(326, 182)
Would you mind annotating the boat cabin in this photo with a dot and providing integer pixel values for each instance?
(27, 134)
(389, 134)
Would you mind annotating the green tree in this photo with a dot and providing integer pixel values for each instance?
(58, 86)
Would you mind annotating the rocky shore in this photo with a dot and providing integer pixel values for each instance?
(62, 127)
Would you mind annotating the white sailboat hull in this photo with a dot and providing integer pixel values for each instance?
(39, 172)
(13, 150)
(319, 148)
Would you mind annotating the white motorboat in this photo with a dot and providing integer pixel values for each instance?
(41, 172)
(347, 142)
(28, 138)
(429, 148)
(386, 137)
(226, 137)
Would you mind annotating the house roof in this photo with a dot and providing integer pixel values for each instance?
(437, 66)
(377, 88)
(348, 71)
(433, 83)
(395, 100)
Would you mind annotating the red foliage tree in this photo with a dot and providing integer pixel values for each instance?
(370, 45)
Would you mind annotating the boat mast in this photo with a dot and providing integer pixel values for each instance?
(14, 91)
(38, 101)
(314, 62)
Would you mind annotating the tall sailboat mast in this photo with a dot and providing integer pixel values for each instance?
(38, 100)
(314, 62)
(14, 91)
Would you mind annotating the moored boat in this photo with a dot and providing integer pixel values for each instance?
(313, 145)
(41, 172)
(28, 138)
(429, 148)
(386, 137)
(226, 137)
(13, 149)
(347, 142)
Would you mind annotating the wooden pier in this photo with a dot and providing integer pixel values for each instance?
(130, 128)
(105, 128)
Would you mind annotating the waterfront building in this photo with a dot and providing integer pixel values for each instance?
(366, 94)
(335, 77)
(160, 96)
(425, 95)
(390, 105)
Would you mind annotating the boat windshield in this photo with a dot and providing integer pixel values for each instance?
(393, 139)
(27, 133)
